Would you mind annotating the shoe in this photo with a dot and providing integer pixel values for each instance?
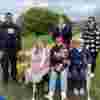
(63, 96)
(48, 97)
(92, 75)
(76, 91)
(89, 98)
(33, 98)
(82, 91)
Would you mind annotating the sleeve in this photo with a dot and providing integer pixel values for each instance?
(44, 57)
(52, 58)
(18, 38)
(97, 40)
(68, 32)
(81, 40)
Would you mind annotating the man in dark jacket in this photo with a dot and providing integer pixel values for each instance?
(13, 45)
(62, 29)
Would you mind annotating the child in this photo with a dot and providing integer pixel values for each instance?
(59, 61)
(23, 62)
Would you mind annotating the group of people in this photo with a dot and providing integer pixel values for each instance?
(64, 61)
(70, 63)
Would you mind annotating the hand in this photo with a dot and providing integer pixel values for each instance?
(59, 67)
(57, 54)
(67, 62)
(52, 68)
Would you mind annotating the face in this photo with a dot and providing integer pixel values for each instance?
(8, 18)
(65, 53)
(91, 23)
(59, 41)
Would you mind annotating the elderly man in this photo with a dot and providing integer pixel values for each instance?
(62, 29)
(90, 39)
(11, 34)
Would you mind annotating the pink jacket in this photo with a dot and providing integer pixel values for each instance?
(39, 65)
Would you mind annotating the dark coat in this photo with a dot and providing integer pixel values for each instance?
(11, 34)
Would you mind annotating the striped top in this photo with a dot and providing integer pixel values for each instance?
(91, 40)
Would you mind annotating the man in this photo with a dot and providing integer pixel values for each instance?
(62, 29)
(13, 45)
(90, 39)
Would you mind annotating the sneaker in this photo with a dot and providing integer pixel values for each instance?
(63, 96)
(92, 75)
(76, 91)
(33, 98)
(82, 91)
(48, 97)
(89, 98)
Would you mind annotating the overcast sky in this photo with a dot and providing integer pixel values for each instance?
(71, 7)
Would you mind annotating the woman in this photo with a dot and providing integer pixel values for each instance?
(59, 61)
(39, 65)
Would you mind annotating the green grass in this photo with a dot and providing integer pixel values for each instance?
(27, 41)
(95, 89)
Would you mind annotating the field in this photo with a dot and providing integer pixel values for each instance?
(95, 88)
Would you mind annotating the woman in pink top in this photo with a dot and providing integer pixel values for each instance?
(39, 64)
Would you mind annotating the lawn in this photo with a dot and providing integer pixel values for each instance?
(95, 88)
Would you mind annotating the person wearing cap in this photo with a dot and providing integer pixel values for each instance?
(90, 39)
(13, 45)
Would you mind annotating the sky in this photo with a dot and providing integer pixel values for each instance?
(73, 8)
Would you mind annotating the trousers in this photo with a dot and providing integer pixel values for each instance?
(53, 80)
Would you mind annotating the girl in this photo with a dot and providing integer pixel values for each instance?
(23, 62)
(59, 62)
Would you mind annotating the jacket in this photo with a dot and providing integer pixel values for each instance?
(12, 35)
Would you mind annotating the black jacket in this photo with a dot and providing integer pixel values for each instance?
(10, 33)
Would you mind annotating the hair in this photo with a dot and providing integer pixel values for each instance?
(44, 42)
(91, 17)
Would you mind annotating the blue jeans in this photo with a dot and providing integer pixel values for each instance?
(53, 80)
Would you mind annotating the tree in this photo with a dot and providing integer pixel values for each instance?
(38, 20)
